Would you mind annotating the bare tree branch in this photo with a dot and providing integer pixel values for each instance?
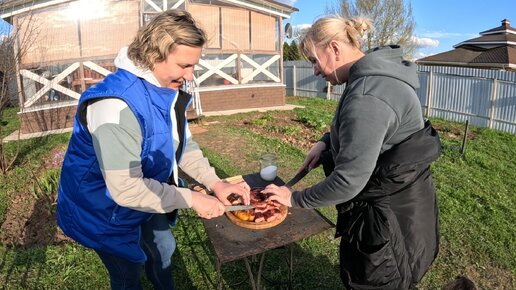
(13, 47)
(392, 20)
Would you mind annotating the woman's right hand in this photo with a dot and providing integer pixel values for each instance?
(207, 206)
(313, 156)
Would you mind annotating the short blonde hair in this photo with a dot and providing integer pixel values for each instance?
(326, 29)
(156, 40)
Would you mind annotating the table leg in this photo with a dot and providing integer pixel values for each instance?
(291, 266)
(255, 277)
(260, 268)
(250, 272)
(219, 274)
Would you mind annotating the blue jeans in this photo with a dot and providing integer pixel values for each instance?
(158, 243)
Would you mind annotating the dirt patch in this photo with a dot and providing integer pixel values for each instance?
(196, 129)
(29, 222)
(30, 218)
(454, 132)
(282, 125)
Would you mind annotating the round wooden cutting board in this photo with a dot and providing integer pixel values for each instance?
(252, 225)
(261, 225)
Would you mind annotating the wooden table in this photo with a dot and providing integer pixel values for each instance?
(232, 242)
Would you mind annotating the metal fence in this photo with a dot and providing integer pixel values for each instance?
(487, 98)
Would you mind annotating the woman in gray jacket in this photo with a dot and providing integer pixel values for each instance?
(380, 152)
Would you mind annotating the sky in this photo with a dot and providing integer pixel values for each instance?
(440, 24)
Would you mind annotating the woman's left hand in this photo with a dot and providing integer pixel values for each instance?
(281, 194)
(223, 189)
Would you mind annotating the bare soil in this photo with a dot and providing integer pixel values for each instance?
(30, 219)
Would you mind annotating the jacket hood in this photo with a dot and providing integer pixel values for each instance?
(385, 61)
(122, 61)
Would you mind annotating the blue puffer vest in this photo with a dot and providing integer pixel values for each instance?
(85, 210)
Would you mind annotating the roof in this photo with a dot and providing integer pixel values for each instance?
(8, 8)
(271, 6)
(494, 48)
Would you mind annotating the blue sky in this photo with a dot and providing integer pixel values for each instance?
(440, 24)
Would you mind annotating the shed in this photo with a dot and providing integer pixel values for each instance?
(493, 49)
(69, 45)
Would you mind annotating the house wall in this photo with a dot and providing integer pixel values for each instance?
(64, 41)
(58, 33)
(236, 29)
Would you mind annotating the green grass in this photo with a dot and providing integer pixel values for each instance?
(475, 194)
(9, 122)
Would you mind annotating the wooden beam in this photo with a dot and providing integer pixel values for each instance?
(178, 3)
(216, 69)
(53, 84)
(153, 5)
(260, 68)
(97, 68)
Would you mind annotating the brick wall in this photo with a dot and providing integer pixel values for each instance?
(242, 98)
(46, 120)
(220, 100)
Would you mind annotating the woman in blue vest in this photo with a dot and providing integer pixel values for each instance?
(377, 159)
(119, 181)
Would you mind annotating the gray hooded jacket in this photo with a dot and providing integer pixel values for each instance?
(378, 109)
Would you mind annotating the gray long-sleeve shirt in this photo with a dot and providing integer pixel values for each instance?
(378, 109)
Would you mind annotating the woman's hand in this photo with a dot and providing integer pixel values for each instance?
(207, 206)
(281, 194)
(223, 189)
(313, 156)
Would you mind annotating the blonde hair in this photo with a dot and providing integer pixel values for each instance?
(156, 40)
(326, 29)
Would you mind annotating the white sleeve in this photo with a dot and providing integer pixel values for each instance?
(117, 140)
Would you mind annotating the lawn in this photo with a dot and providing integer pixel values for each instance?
(475, 194)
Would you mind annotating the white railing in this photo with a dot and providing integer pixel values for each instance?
(192, 88)
(53, 83)
(214, 67)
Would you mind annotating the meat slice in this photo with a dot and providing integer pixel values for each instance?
(235, 199)
(264, 211)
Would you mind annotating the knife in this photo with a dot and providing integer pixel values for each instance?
(238, 207)
(297, 177)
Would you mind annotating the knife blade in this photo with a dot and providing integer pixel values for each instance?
(239, 207)
(297, 177)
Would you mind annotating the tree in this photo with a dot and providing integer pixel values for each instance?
(392, 20)
(291, 52)
(286, 51)
(294, 51)
(7, 75)
(13, 47)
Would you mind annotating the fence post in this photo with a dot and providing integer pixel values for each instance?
(429, 93)
(492, 109)
(294, 80)
(464, 139)
(328, 90)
